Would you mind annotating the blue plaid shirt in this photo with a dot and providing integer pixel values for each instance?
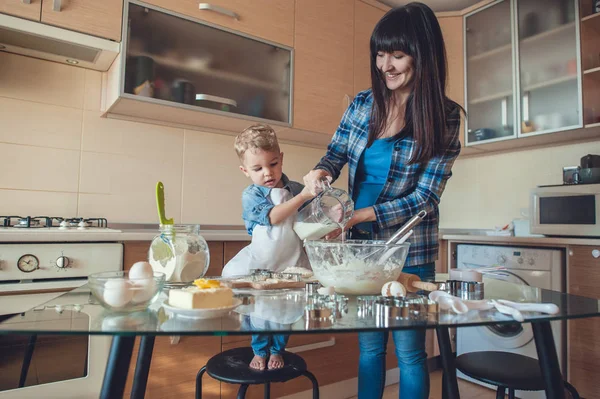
(408, 189)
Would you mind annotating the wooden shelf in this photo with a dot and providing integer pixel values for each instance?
(590, 17)
(213, 73)
(525, 42)
(491, 97)
(591, 125)
(593, 70)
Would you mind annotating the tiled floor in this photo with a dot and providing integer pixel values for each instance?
(467, 389)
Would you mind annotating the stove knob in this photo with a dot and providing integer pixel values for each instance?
(62, 262)
(531, 261)
(520, 261)
(501, 259)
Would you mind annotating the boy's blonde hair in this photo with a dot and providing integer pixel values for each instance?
(261, 137)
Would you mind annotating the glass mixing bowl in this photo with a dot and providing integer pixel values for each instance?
(356, 267)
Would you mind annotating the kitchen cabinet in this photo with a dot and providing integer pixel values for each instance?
(522, 70)
(268, 19)
(29, 9)
(323, 63)
(366, 17)
(583, 278)
(98, 18)
(179, 71)
(590, 62)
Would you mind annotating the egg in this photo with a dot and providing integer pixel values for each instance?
(117, 292)
(141, 270)
(393, 288)
(143, 290)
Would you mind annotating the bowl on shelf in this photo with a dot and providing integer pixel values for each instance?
(356, 267)
(117, 292)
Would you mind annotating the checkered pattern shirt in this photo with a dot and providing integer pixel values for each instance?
(408, 189)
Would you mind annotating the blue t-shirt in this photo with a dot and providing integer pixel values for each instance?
(371, 175)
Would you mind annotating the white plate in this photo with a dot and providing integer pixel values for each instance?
(210, 313)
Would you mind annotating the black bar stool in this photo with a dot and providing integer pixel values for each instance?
(506, 371)
(232, 366)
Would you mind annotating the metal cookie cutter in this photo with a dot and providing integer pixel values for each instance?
(471, 290)
(366, 305)
(414, 307)
(312, 287)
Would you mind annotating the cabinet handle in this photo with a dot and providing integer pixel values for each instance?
(526, 107)
(219, 10)
(310, 347)
(174, 339)
(56, 5)
(596, 253)
(505, 113)
(222, 100)
(26, 1)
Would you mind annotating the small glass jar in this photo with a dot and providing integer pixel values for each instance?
(180, 252)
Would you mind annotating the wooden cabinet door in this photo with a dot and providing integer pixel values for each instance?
(584, 334)
(20, 9)
(98, 18)
(365, 18)
(324, 63)
(268, 19)
(174, 367)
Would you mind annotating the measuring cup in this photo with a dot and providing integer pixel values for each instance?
(329, 210)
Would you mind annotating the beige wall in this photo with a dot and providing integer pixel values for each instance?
(491, 190)
(60, 158)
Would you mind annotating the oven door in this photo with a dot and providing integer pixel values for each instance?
(52, 366)
(566, 210)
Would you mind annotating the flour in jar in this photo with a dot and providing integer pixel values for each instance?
(187, 264)
(313, 231)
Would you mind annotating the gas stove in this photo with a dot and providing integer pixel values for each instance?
(53, 223)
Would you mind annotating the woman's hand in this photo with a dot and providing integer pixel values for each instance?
(312, 180)
(360, 216)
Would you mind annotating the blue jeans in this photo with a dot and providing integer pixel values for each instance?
(410, 352)
(263, 345)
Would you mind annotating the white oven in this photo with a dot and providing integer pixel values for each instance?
(34, 275)
(566, 210)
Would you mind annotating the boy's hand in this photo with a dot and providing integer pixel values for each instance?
(306, 194)
(313, 180)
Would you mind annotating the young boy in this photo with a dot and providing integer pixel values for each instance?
(269, 206)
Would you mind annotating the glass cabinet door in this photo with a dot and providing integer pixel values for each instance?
(548, 67)
(174, 60)
(489, 70)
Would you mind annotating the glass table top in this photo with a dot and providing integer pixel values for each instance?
(289, 311)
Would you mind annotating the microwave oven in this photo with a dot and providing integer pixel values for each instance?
(567, 210)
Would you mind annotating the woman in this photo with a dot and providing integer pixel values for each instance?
(399, 139)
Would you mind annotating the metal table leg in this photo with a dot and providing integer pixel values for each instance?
(549, 365)
(117, 367)
(142, 367)
(27, 360)
(450, 385)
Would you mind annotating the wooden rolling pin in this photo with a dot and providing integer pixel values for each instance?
(413, 283)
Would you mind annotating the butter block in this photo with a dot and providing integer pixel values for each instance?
(201, 298)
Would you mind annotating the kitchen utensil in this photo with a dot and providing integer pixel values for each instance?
(465, 275)
(341, 265)
(329, 210)
(590, 175)
(515, 313)
(413, 283)
(160, 204)
(590, 161)
(548, 308)
(401, 235)
(571, 175)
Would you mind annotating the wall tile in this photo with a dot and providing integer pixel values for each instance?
(37, 168)
(93, 90)
(122, 188)
(141, 140)
(29, 123)
(37, 203)
(41, 81)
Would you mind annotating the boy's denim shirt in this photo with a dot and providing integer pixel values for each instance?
(257, 204)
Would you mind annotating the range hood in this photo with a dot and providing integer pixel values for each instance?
(47, 42)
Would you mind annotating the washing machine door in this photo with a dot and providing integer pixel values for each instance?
(513, 335)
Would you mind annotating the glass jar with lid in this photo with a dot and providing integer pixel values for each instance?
(180, 252)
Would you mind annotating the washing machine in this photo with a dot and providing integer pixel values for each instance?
(535, 267)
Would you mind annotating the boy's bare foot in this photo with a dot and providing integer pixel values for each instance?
(258, 362)
(275, 362)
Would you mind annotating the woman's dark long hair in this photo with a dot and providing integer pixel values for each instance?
(414, 30)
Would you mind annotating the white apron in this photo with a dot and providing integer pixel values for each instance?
(273, 248)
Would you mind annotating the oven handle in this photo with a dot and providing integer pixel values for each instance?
(40, 286)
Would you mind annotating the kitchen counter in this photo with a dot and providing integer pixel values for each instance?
(543, 241)
(109, 235)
